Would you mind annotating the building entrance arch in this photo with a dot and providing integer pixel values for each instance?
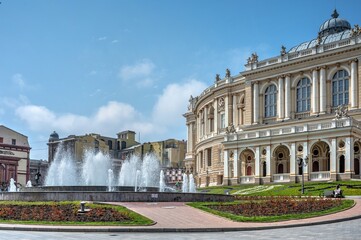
(248, 162)
(281, 160)
(320, 160)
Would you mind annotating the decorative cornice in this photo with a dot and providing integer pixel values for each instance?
(310, 58)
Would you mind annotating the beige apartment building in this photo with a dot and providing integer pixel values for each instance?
(115, 148)
(14, 157)
(170, 152)
(295, 113)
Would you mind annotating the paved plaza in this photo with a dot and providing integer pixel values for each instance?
(178, 217)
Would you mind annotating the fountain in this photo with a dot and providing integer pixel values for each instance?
(12, 187)
(192, 185)
(29, 184)
(110, 180)
(93, 179)
(185, 186)
(161, 181)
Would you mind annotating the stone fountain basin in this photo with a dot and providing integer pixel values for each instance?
(114, 196)
(87, 189)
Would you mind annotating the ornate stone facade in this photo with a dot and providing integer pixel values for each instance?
(252, 127)
(14, 157)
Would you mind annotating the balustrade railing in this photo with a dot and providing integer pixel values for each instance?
(284, 177)
(320, 176)
(247, 179)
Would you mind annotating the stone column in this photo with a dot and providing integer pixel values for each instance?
(353, 85)
(215, 121)
(235, 179)
(189, 137)
(225, 168)
(255, 103)
(333, 160)
(226, 110)
(293, 163)
(235, 111)
(315, 97)
(288, 97)
(349, 157)
(281, 98)
(206, 124)
(198, 121)
(257, 165)
(323, 90)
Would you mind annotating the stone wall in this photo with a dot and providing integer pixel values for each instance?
(114, 196)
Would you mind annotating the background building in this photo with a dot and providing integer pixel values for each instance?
(14, 157)
(304, 104)
(170, 153)
(115, 148)
(38, 170)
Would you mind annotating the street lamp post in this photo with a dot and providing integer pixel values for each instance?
(302, 162)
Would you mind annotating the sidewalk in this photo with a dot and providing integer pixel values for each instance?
(178, 217)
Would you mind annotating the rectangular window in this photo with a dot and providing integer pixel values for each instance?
(209, 157)
(223, 121)
(1, 139)
(13, 141)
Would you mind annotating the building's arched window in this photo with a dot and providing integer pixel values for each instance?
(303, 95)
(270, 101)
(340, 88)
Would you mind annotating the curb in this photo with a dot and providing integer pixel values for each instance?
(42, 228)
(153, 229)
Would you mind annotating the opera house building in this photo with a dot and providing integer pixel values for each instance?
(298, 113)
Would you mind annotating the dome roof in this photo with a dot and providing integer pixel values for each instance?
(53, 137)
(334, 25)
(333, 30)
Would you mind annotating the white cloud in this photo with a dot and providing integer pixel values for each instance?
(165, 120)
(102, 38)
(173, 102)
(115, 41)
(142, 69)
(18, 79)
(107, 120)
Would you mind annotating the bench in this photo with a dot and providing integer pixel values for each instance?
(330, 194)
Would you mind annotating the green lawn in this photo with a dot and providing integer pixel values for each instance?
(349, 188)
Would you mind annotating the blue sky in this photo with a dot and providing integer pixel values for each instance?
(104, 66)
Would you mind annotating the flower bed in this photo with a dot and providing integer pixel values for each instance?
(61, 213)
(275, 206)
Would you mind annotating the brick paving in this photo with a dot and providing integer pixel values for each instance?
(178, 217)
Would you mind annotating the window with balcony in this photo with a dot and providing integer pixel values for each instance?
(223, 120)
(209, 157)
(303, 95)
(270, 101)
(340, 88)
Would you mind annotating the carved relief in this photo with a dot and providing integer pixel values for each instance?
(221, 104)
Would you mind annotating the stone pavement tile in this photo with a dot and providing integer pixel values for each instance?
(177, 216)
